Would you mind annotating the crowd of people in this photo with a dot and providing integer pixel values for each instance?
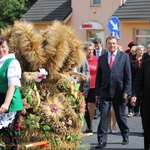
(115, 90)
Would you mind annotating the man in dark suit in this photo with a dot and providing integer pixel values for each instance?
(98, 51)
(141, 84)
(113, 84)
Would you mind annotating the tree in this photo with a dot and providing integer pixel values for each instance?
(11, 10)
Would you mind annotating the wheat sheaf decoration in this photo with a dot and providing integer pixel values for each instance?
(54, 108)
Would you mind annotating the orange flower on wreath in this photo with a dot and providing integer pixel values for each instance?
(26, 106)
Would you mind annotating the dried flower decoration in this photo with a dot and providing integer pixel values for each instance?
(82, 107)
(41, 75)
(67, 122)
(54, 108)
(26, 106)
(33, 121)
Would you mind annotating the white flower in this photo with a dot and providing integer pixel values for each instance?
(41, 75)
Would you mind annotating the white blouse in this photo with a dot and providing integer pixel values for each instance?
(14, 70)
(13, 75)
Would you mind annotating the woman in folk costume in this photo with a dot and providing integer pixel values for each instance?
(10, 97)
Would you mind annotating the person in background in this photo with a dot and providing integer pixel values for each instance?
(98, 51)
(141, 84)
(146, 56)
(84, 89)
(10, 97)
(147, 53)
(113, 84)
(132, 43)
(92, 63)
(132, 53)
(135, 66)
(112, 126)
(133, 49)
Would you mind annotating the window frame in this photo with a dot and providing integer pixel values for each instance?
(92, 3)
(138, 36)
(88, 38)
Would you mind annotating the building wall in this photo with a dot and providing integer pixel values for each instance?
(127, 31)
(83, 11)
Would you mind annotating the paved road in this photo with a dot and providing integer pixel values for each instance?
(114, 140)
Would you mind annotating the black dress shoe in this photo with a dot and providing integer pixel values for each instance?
(125, 142)
(101, 145)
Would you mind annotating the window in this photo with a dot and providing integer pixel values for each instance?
(91, 34)
(96, 2)
(142, 36)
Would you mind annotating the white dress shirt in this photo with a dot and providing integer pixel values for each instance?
(109, 56)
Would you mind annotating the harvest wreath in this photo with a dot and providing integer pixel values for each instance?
(53, 105)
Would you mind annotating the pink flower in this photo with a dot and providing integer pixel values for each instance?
(54, 107)
(82, 107)
(26, 105)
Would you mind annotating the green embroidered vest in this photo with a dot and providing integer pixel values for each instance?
(16, 102)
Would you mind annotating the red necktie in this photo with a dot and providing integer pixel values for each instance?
(111, 61)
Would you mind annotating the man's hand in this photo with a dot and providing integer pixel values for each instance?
(97, 98)
(4, 108)
(125, 96)
(133, 100)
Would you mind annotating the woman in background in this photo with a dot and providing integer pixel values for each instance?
(135, 66)
(92, 62)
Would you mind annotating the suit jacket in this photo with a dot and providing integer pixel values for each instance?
(113, 83)
(142, 84)
(146, 56)
(102, 52)
(84, 69)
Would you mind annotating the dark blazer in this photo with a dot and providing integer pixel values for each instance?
(113, 83)
(103, 51)
(142, 84)
(146, 56)
(142, 81)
